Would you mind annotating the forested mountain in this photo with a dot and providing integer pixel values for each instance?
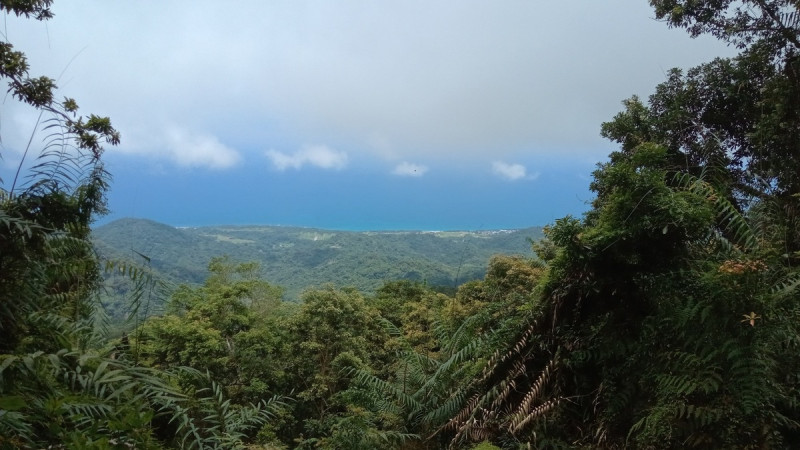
(301, 258)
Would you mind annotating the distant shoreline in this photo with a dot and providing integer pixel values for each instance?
(342, 229)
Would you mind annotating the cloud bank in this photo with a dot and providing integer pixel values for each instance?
(398, 80)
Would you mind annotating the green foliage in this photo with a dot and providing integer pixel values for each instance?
(92, 400)
(733, 122)
(47, 267)
(650, 322)
(415, 309)
(485, 445)
(79, 397)
(437, 391)
(224, 327)
(424, 392)
(333, 332)
(142, 289)
(212, 421)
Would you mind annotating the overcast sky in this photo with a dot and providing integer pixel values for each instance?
(351, 114)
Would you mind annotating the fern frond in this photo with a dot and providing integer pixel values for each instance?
(787, 287)
(372, 383)
(728, 216)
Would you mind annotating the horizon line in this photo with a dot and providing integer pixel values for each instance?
(310, 227)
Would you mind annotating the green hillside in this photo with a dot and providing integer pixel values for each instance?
(301, 258)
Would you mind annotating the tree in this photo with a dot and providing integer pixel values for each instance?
(415, 309)
(334, 331)
(741, 23)
(737, 120)
(226, 327)
(47, 266)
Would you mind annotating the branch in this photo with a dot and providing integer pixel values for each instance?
(785, 30)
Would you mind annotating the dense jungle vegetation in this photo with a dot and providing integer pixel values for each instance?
(667, 317)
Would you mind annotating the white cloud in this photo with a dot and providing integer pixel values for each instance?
(407, 169)
(199, 150)
(315, 155)
(512, 172)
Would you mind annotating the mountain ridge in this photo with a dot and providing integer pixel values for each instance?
(297, 258)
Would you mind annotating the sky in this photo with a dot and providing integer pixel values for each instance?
(353, 115)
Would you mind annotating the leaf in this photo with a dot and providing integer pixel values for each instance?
(12, 402)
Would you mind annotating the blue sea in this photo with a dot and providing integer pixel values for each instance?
(347, 200)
